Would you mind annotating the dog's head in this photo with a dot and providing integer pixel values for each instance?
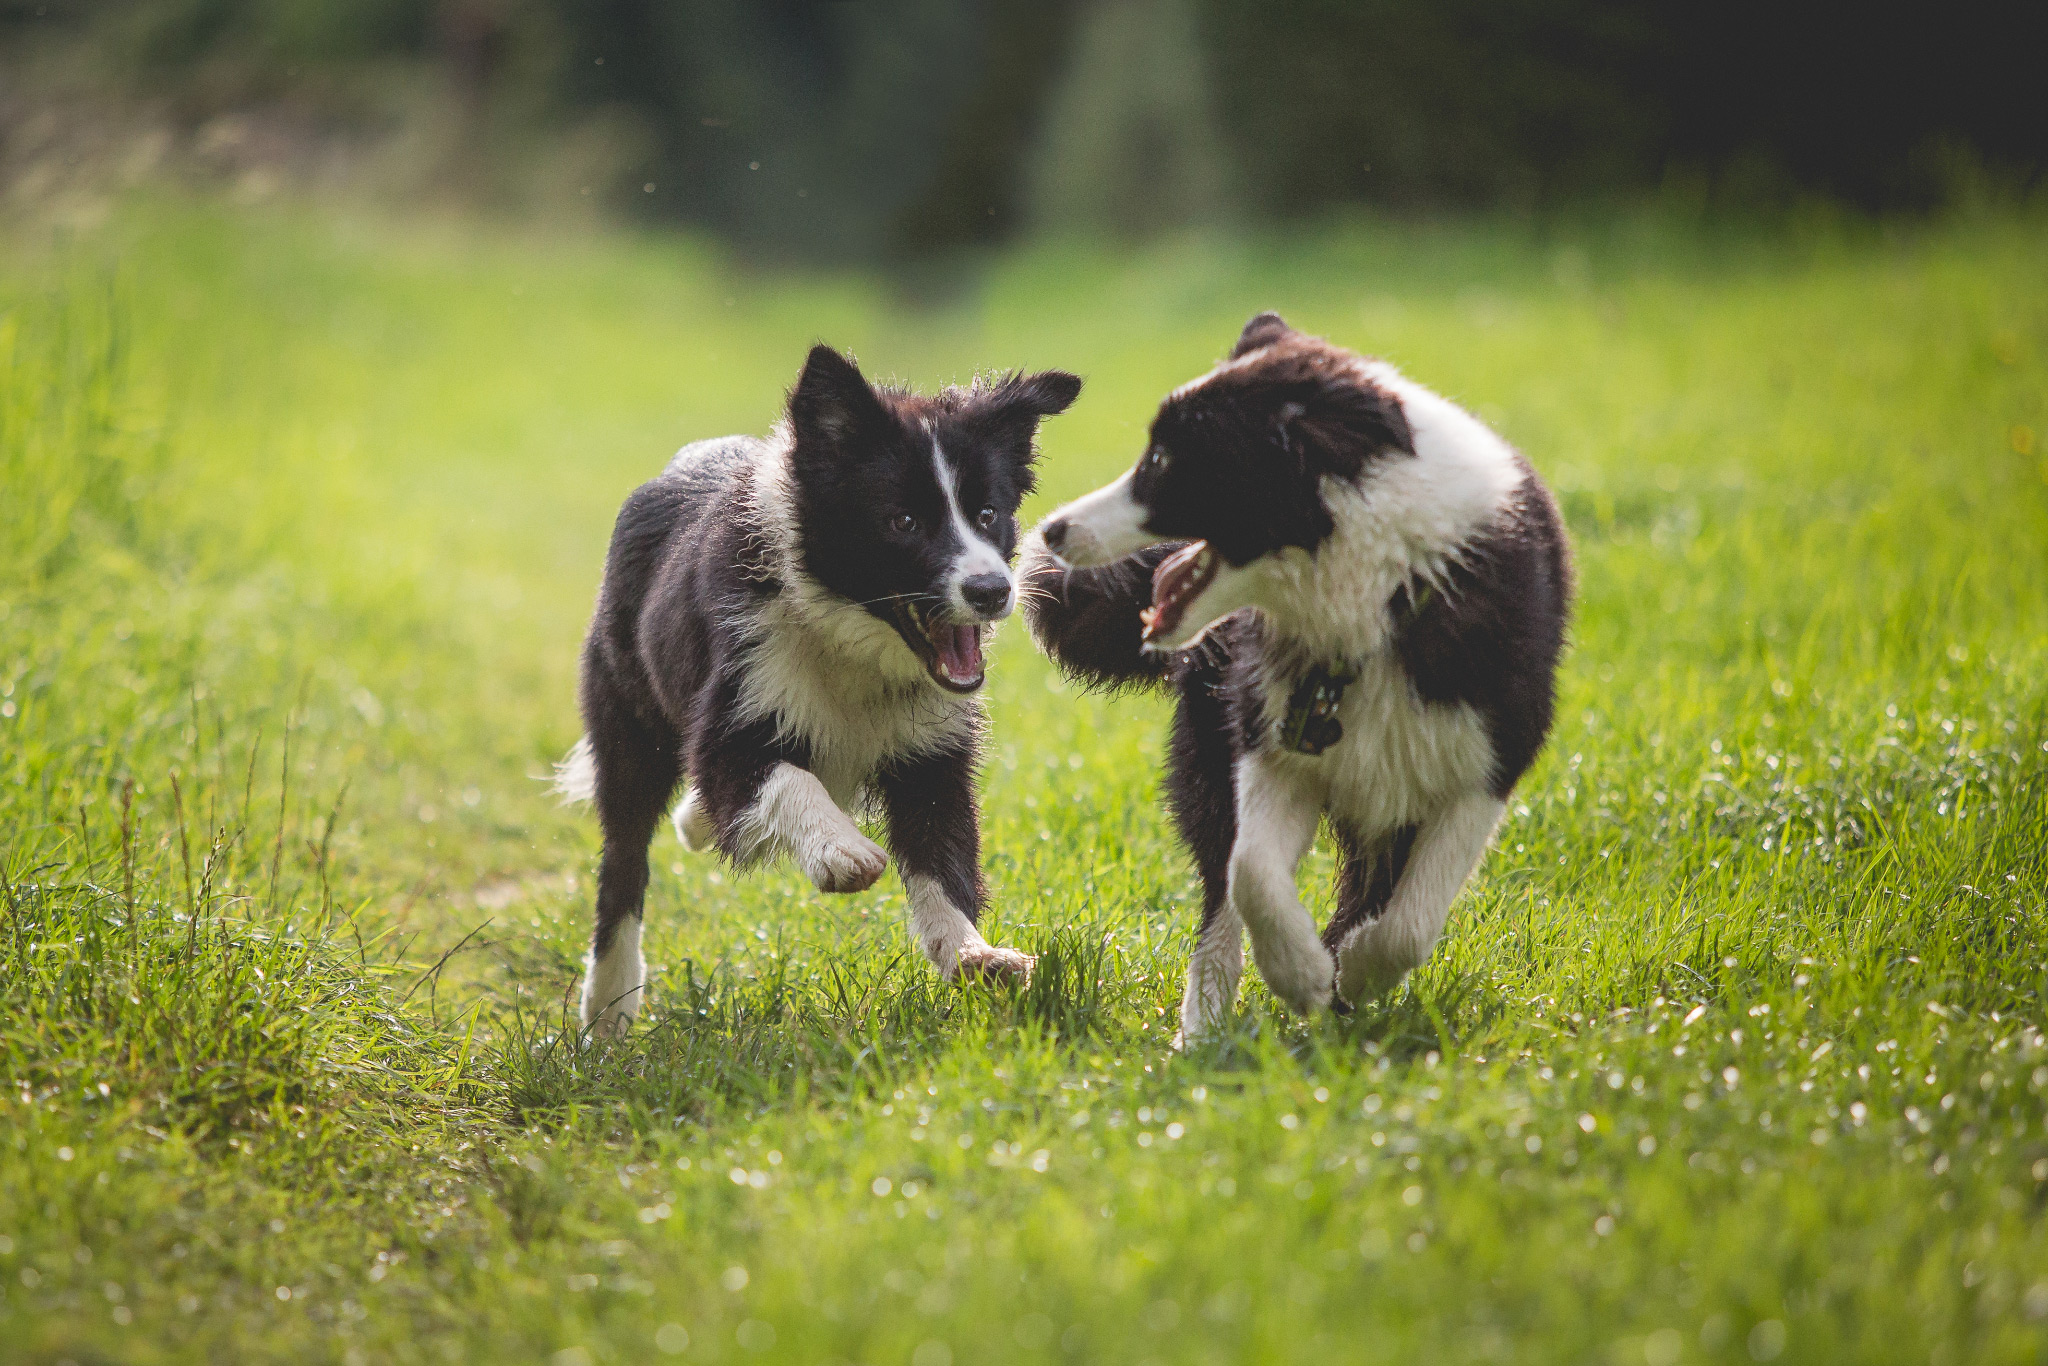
(1236, 466)
(907, 505)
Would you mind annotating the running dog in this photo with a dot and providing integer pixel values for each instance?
(1359, 593)
(794, 626)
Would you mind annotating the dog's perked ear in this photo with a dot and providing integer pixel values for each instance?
(1021, 400)
(1009, 412)
(1044, 394)
(832, 407)
(1263, 330)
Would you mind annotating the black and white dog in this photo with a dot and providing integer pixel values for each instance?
(794, 626)
(1408, 582)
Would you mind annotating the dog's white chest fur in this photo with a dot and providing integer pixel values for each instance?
(1400, 759)
(838, 680)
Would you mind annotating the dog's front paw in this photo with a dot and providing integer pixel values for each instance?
(848, 862)
(989, 963)
(1373, 966)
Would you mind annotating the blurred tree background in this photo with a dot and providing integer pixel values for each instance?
(889, 130)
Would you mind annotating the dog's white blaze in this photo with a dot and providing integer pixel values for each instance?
(1276, 823)
(1102, 526)
(1374, 957)
(831, 674)
(977, 555)
(1213, 975)
(615, 986)
(794, 814)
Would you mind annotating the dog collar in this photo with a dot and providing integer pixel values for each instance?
(1311, 725)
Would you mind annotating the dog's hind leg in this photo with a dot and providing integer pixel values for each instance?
(1199, 791)
(1214, 970)
(637, 765)
(935, 835)
(1374, 955)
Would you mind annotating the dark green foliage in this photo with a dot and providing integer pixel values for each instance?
(1400, 104)
(830, 131)
(901, 130)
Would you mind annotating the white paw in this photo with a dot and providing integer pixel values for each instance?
(615, 986)
(1193, 1033)
(846, 862)
(608, 1024)
(1211, 989)
(1372, 964)
(1299, 971)
(991, 963)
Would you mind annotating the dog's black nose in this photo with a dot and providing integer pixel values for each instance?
(1055, 534)
(987, 594)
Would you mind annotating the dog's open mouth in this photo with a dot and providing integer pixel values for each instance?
(952, 653)
(1178, 581)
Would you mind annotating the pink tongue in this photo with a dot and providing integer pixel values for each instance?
(959, 650)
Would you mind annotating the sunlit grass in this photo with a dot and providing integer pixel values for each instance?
(1734, 1050)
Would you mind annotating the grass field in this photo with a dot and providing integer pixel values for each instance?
(1734, 1049)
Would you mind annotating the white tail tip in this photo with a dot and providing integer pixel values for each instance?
(576, 775)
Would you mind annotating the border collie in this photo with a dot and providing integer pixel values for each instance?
(1359, 593)
(794, 626)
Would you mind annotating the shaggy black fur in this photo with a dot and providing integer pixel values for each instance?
(703, 551)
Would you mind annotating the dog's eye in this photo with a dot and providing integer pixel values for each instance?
(1155, 459)
(986, 520)
(903, 523)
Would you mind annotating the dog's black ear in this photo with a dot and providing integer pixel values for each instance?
(1007, 414)
(1263, 330)
(1043, 394)
(832, 406)
(1337, 425)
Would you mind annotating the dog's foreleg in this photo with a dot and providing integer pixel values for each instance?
(792, 813)
(1276, 823)
(936, 837)
(949, 939)
(1374, 957)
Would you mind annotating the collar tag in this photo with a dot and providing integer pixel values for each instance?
(1312, 725)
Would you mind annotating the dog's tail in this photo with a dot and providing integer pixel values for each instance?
(576, 774)
(1086, 620)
